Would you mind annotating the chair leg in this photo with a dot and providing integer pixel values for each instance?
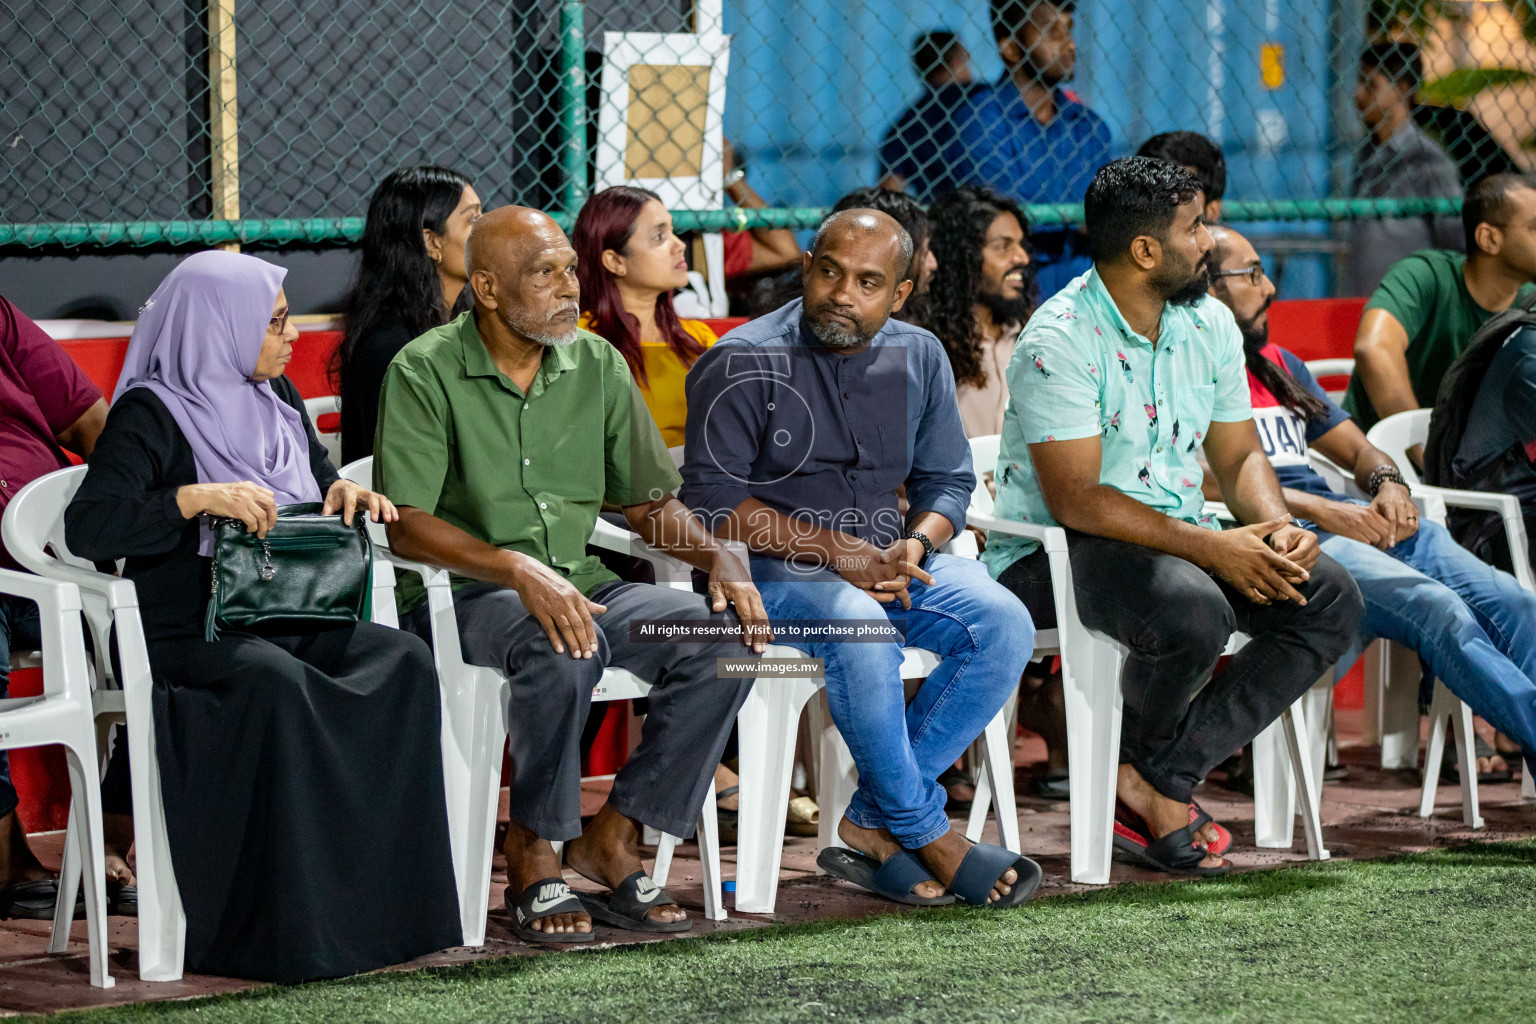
(1440, 710)
(474, 735)
(1527, 785)
(976, 821)
(708, 833)
(1091, 682)
(1274, 789)
(1466, 749)
(766, 728)
(1318, 705)
(69, 886)
(838, 777)
(1293, 724)
(85, 801)
(1400, 708)
(162, 921)
(997, 765)
(1373, 668)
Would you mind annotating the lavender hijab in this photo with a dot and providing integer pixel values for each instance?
(195, 346)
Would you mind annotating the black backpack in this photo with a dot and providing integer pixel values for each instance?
(1473, 529)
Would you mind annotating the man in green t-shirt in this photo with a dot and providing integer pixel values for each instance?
(500, 437)
(1429, 304)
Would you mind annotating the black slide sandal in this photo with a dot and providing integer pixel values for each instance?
(981, 869)
(1174, 854)
(895, 879)
(548, 897)
(629, 905)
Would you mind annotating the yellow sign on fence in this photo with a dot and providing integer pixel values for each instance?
(1272, 65)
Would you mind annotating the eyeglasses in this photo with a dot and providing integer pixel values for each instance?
(1254, 274)
(279, 323)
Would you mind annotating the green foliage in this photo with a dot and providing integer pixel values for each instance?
(1456, 88)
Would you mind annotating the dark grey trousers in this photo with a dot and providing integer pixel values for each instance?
(691, 710)
(1176, 620)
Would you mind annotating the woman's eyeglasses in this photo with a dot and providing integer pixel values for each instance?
(1254, 274)
(279, 323)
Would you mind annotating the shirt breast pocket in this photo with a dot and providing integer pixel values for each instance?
(1194, 415)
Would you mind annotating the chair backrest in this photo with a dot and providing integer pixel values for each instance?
(331, 439)
(1399, 432)
(1320, 368)
(33, 526)
(983, 461)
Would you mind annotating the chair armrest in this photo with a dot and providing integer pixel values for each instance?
(1508, 508)
(613, 538)
(962, 545)
(383, 573)
(52, 597)
(66, 671)
(431, 575)
(1219, 510)
(1052, 538)
(118, 592)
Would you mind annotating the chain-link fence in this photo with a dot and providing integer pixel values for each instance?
(139, 122)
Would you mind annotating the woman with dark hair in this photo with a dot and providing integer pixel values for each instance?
(301, 768)
(982, 293)
(629, 263)
(410, 279)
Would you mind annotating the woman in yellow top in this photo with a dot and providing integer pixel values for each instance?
(629, 263)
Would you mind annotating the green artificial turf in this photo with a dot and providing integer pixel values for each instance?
(1444, 936)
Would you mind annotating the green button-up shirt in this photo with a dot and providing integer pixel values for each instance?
(525, 472)
(1079, 370)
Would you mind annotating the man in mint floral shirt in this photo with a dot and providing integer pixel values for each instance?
(1117, 383)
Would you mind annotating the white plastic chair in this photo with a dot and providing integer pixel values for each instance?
(1395, 435)
(1090, 669)
(1392, 675)
(33, 528)
(330, 439)
(63, 714)
(1320, 368)
(474, 709)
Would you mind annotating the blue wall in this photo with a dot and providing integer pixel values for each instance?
(814, 85)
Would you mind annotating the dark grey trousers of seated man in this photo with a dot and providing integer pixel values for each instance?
(691, 712)
(1175, 620)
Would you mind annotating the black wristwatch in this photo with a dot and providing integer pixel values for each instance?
(927, 544)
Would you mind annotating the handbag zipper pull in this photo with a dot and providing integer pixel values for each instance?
(267, 570)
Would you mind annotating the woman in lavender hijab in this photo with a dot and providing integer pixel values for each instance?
(301, 774)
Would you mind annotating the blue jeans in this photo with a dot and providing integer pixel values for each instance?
(19, 629)
(984, 636)
(1474, 625)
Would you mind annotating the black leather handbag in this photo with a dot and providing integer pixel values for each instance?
(310, 570)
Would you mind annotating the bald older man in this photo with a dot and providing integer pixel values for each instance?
(802, 428)
(501, 435)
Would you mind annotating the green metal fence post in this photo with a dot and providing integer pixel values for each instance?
(573, 108)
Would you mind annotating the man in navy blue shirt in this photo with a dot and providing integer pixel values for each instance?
(802, 427)
(1475, 626)
(913, 155)
(1030, 139)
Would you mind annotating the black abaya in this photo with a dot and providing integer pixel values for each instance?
(302, 775)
